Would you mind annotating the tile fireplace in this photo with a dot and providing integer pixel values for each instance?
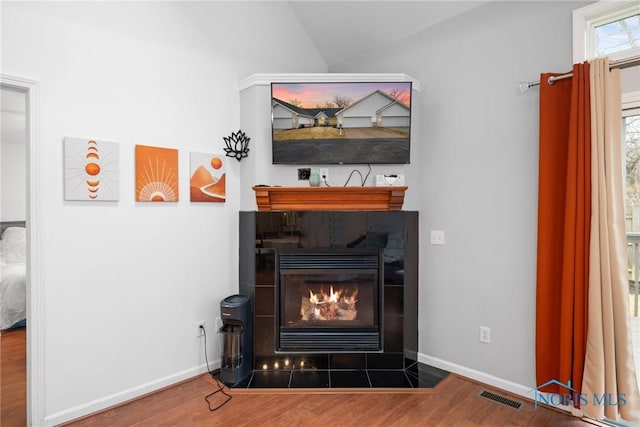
(334, 297)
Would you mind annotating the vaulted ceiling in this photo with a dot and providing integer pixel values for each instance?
(344, 29)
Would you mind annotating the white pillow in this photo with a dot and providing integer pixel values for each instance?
(13, 246)
(14, 233)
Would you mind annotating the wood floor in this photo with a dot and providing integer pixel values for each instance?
(454, 402)
(13, 378)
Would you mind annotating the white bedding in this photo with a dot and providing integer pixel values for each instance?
(13, 271)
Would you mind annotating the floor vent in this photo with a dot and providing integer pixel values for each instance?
(501, 399)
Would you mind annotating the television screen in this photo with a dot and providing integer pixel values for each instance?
(341, 123)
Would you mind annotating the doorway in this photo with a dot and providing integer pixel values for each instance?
(29, 90)
(13, 304)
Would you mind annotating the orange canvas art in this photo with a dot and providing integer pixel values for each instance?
(156, 174)
(207, 183)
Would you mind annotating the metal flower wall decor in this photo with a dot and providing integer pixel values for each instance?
(237, 145)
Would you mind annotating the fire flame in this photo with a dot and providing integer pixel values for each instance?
(351, 299)
(334, 305)
(333, 296)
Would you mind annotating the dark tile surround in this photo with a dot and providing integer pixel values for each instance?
(395, 234)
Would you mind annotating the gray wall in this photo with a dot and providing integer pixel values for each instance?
(478, 161)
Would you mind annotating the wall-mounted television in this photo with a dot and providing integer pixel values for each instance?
(340, 123)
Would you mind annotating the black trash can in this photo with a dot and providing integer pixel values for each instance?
(236, 339)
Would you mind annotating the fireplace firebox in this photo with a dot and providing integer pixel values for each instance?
(328, 300)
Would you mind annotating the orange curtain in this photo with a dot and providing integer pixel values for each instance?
(564, 211)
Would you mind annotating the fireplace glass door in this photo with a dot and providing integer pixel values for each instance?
(328, 301)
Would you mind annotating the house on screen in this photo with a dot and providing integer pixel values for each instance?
(324, 116)
(375, 110)
(288, 116)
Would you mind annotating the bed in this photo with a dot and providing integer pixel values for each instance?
(13, 274)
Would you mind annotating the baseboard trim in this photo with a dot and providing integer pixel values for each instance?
(116, 399)
(509, 386)
(526, 392)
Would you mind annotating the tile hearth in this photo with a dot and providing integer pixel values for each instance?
(417, 375)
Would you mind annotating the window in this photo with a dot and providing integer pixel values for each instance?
(613, 29)
(606, 29)
(616, 36)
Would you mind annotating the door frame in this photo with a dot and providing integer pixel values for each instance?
(35, 288)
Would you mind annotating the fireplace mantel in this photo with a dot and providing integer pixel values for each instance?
(388, 198)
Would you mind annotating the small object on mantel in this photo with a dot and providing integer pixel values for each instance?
(388, 198)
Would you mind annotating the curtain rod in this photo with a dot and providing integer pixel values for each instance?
(623, 63)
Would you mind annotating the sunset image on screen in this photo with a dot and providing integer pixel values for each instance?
(314, 95)
(341, 123)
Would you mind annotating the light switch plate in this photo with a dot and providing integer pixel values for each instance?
(437, 237)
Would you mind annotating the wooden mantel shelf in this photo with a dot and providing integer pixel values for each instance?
(329, 198)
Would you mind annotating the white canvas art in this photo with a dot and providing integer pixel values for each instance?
(91, 170)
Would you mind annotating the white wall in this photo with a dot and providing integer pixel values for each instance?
(126, 282)
(478, 162)
(13, 176)
(13, 203)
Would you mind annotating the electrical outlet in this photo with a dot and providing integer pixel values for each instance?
(303, 174)
(485, 334)
(200, 328)
(324, 175)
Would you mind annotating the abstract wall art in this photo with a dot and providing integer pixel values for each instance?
(156, 174)
(207, 182)
(91, 170)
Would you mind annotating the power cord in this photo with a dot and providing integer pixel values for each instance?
(324, 179)
(212, 373)
(362, 180)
